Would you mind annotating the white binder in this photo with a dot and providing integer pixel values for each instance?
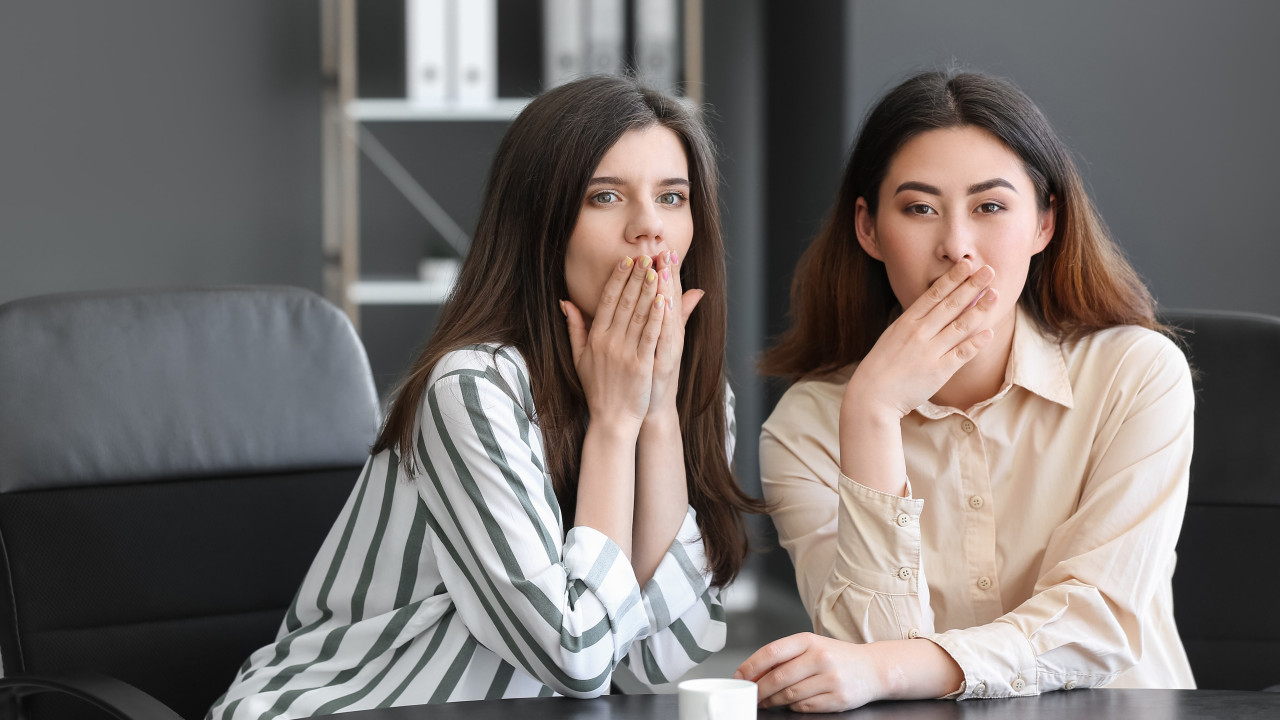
(476, 40)
(657, 42)
(426, 51)
(563, 41)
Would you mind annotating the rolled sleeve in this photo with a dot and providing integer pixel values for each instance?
(686, 617)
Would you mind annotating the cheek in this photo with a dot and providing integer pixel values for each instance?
(587, 268)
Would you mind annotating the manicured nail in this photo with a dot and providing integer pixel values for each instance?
(666, 274)
(563, 310)
(645, 261)
(650, 276)
(675, 257)
(671, 302)
(625, 263)
(657, 302)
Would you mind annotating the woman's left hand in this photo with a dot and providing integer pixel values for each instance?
(812, 673)
(666, 365)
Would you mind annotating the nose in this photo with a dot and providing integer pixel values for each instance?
(957, 241)
(644, 228)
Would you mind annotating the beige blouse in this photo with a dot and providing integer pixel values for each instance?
(1036, 544)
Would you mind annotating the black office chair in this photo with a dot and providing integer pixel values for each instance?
(1227, 585)
(169, 465)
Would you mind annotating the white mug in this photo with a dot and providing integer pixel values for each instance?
(717, 699)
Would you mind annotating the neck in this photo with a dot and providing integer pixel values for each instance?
(982, 377)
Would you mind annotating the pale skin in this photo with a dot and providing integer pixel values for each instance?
(626, 315)
(956, 227)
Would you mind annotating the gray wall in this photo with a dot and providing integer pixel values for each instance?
(155, 142)
(1170, 108)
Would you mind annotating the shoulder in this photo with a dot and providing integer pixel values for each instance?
(482, 374)
(1131, 350)
(808, 404)
(1128, 362)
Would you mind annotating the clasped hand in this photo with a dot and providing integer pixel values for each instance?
(628, 361)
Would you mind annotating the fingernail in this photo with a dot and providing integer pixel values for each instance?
(645, 261)
(737, 675)
(650, 275)
(671, 303)
(658, 301)
(626, 263)
(666, 274)
(563, 311)
(675, 257)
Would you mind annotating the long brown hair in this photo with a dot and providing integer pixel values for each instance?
(841, 301)
(513, 278)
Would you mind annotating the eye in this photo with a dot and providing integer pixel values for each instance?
(989, 208)
(607, 197)
(673, 198)
(921, 209)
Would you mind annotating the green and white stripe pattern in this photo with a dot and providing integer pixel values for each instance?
(460, 584)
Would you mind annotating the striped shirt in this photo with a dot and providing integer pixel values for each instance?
(460, 583)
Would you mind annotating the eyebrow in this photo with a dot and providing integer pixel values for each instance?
(974, 189)
(610, 180)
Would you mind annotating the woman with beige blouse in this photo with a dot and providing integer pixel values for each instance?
(981, 469)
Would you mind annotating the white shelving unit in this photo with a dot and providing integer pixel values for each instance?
(345, 137)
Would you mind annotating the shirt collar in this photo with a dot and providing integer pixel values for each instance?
(1037, 362)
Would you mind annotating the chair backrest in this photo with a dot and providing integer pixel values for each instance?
(1227, 586)
(170, 462)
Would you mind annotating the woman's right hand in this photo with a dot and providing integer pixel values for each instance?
(614, 359)
(920, 351)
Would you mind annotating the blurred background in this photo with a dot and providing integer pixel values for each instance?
(177, 142)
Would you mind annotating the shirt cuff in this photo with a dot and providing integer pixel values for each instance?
(997, 661)
(681, 578)
(878, 541)
(595, 563)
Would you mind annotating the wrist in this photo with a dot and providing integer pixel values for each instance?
(916, 669)
(664, 420)
(860, 403)
(615, 427)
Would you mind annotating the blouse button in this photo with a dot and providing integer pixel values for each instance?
(913, 633)
(984, 582)
(1019, 685)
(1071, 685)
(967, 426)
(904, 573)
(980, 689)
(975, 502)
(903, 519)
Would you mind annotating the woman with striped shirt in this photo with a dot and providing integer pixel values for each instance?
(551, 495)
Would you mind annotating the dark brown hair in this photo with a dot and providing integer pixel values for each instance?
(841, 301)
(513, 278)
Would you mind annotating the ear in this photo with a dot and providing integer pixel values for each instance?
(864, 225)
(1048, 222)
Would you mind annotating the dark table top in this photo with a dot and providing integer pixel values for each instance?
(1091, 704)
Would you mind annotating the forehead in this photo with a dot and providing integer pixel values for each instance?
(655, 148)
(955, 157)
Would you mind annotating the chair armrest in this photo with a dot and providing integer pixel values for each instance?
(118, 698)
